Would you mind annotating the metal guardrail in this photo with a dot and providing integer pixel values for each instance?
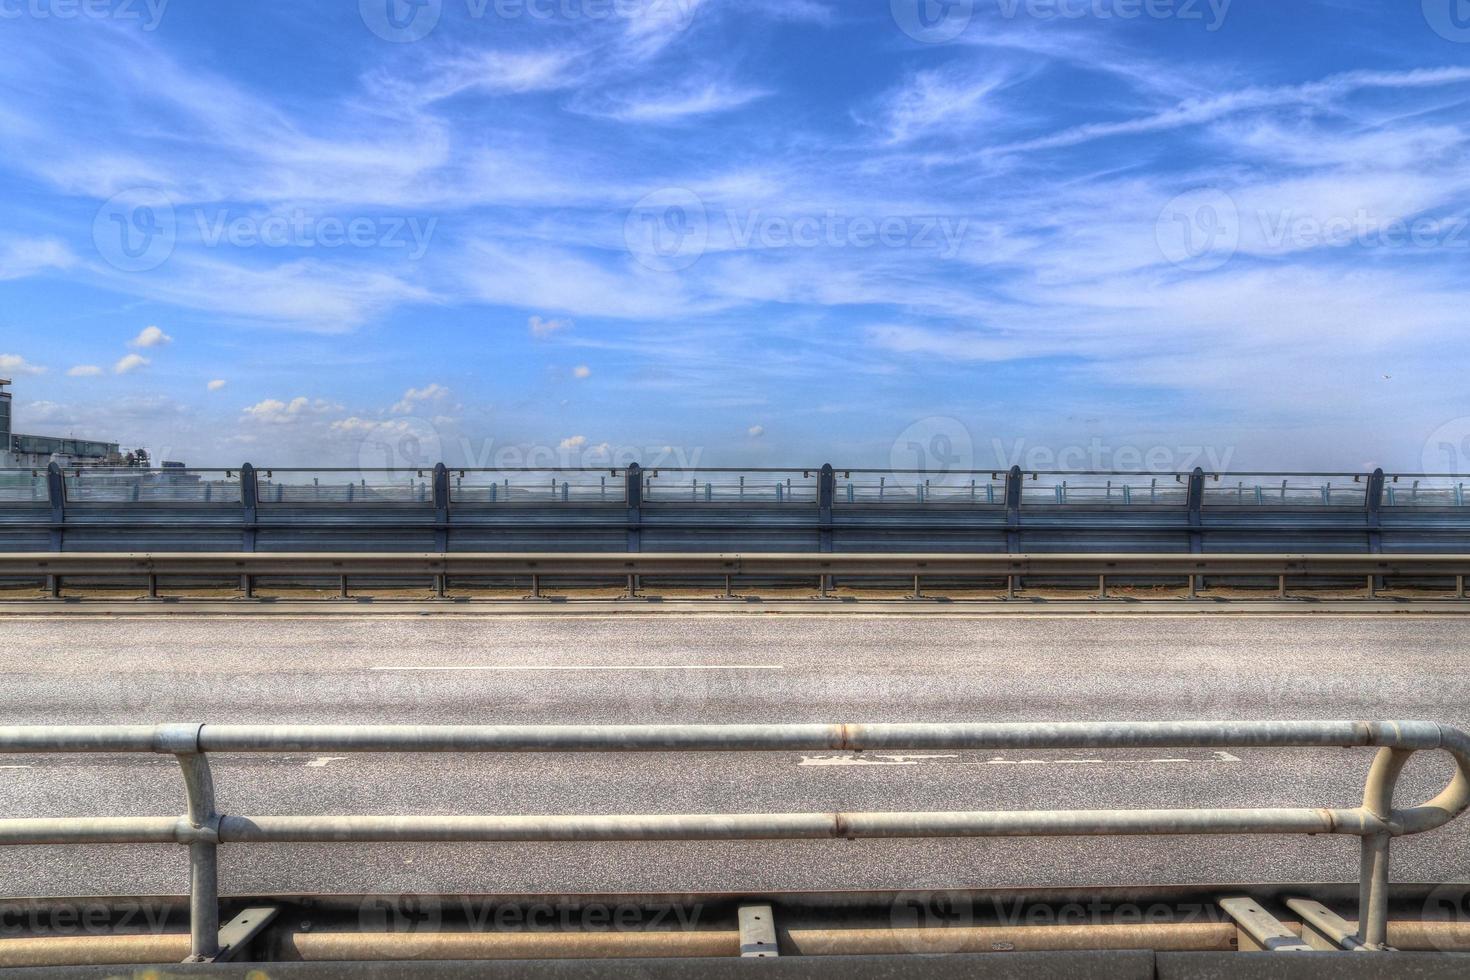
(440, 566)
(203, 828)
(551, 484)
(635, 509)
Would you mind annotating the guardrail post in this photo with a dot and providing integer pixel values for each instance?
(1373, 496)
(250, 512)
(1373, 505)
(826, 492)
(1013, 509)
(56, 493)
(633, 481)
(441, 513)
(249, 505)
(1196, 500)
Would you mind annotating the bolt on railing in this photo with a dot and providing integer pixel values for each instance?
(203, 828)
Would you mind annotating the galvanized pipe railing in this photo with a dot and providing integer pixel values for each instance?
(203, 828)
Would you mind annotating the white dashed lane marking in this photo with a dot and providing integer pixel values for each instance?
(586, 667)
(955, 760)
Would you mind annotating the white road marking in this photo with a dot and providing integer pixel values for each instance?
(857, 760)
(15, 767)
(918, 760)
(586, 667)
(320, 762)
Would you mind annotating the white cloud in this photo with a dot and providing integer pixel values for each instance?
(130, 363)
(545, 328)
(21, 257)
(217, 384)
(273, 411)
(582, 371)
(15, 364)
(84, 371)
(1194, 112)
(572, 443)
(756, 431)
(150, 337)
(938, 100)
(662, 106)
(414, 397)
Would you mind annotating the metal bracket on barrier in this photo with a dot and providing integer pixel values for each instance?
(236, 934)
(1323, 928)
(758, 932)
(1261, 929)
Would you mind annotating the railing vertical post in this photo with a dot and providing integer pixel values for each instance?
(249, 506)
(1196, 500)
(1373, 866)
(1013, 509)
(56, 493)
(182, 741)
(1373, 508)
(826, 491)
(441, 507)
(633, 481)
(1373, 891)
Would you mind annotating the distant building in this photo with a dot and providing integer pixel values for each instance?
(23, 450)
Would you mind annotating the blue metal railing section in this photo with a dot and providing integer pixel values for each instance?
(584, 486)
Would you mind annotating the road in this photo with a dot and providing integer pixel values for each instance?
(720, 669)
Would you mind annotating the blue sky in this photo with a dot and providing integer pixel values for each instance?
(741, 231)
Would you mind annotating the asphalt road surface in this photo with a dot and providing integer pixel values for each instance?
(723, 669)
